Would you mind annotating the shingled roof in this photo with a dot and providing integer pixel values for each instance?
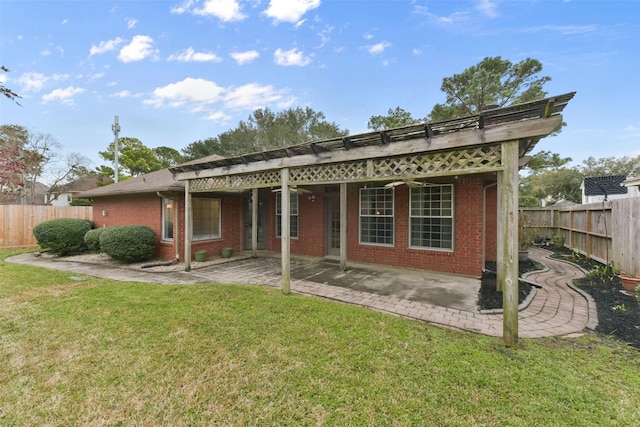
(153, 182)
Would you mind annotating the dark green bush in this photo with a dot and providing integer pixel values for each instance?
(80, 202)
(92, 239)
(130, 243)
(62, 236)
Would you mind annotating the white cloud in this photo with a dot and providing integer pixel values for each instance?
(204, 95)
(105, 46)
(290, 10)
(324, 36)
(291, 57)
(131, 22)
(35, 82)
(139, 48)
(563, 29)
(488, 8)
(64, 21)
(367, 36)
(245, 57)
(188, 91)
(252, 96)
(125, 94)
(218, 116)
(454, 18)
(189, 55)
(415, 51)
(63, 95)
(45, 52)
(225, 10)
(378, 48)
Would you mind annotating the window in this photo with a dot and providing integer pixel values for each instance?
(431, 217)
(206, 219)
(293, 215)
(376, 216)
(167, 219)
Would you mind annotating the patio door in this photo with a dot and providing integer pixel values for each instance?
(248, 223)
(332, 226)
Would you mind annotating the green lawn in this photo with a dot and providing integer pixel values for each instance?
(84, 351)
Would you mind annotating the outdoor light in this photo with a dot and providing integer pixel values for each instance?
(105, 213)
(312, 197)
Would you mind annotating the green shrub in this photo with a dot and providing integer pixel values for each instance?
(80, 202)
(62, 236)
(130, 243)
(92, 239)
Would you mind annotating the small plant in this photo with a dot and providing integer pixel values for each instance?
(129, 243)
(62, 236)
(92, 239)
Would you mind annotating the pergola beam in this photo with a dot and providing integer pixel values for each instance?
(534, 128)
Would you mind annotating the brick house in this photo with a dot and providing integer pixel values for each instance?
(436, 196)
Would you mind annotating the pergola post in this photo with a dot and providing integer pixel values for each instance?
(254, 222)
(509, 236)
(284, 235)
(187, 226)
(343, 226)
(499, 237)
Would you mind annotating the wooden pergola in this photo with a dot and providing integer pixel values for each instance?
(494, 141)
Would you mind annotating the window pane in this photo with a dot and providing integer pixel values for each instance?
(167, 219)
(376, 216)
(431, 217)
(206, 219)
(293, 215)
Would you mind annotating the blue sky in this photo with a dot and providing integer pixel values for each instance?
(180, 71)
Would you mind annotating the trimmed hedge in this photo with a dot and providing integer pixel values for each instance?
(62, 236)
(92, 239)
(129, 243)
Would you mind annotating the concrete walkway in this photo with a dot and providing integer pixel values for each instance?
(556, 308)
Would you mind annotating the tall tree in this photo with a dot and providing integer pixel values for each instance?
(544, 161)
(133, 156)
(74, 167)
(13, 139)
(623, 165)
(168, 156)
(493, 81)
(393, 119)
(266, 130)
(41, 152)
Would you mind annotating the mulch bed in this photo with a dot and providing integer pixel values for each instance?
(618, 313)
(489, 298)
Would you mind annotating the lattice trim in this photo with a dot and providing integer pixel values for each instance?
(417, 165)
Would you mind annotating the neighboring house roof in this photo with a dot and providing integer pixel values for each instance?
(85, 183)
(153, 182)
(604, 185)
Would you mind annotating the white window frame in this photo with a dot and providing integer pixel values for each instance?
(294, 218)
(441, 211)
(165, 221)
(216, 228)
(378, 213)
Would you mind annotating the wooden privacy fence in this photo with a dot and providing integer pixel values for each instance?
(17, 221)
(606, 231)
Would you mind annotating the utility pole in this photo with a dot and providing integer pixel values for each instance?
(115, 127)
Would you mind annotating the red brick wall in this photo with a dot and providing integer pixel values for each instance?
(466, 258)
(146, 209)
